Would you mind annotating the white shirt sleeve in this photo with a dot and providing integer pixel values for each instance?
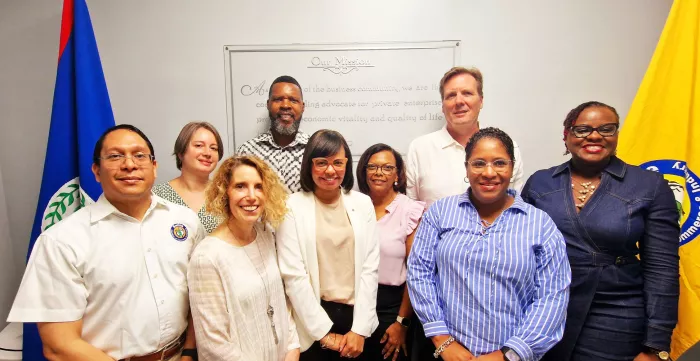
(365, 316)
(297, 281)
(53, 288)
(293, 340)
(412, 183)
(209, 311)
(518, 172)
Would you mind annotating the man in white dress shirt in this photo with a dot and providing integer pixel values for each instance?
(109, 282)
(435, 163)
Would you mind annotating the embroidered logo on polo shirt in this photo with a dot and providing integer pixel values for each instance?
(179, 232)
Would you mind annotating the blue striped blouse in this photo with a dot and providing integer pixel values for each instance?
(506, 285)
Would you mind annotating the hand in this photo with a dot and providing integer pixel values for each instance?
(457, 352)
(493, 356)
(331, 341)
(395, 338)
(643, 356)
(351, 345)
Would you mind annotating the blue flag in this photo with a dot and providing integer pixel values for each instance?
(81, 113)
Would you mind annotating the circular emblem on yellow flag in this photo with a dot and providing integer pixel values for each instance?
(686, 188)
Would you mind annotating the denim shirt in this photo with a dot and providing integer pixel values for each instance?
(632, 213)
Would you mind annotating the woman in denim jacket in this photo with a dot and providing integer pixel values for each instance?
(610, 212)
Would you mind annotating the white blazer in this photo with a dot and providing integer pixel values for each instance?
(298, 262)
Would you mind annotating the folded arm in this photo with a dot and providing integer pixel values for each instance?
(543, 324)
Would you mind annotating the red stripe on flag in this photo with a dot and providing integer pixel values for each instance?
(66, 25)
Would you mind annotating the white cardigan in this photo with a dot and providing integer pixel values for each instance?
(298, 262)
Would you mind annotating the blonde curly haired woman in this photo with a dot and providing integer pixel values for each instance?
(236, 293)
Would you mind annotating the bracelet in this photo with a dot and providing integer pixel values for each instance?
(442, 347)
(324, 345)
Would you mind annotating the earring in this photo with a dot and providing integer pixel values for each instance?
(396, 183)
(466, 180)
(566, 151)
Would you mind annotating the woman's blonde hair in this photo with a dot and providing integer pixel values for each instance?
(217, 202)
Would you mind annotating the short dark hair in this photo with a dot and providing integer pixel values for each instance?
(324, 143)
(364, 160)
(574, 113)
(98, 146)
(493, 133)
(285, 79)
(183, 140)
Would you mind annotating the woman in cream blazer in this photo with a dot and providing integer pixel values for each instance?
(329, 255)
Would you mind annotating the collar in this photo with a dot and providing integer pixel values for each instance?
(616, 167)
(444, 139)
(103, 208)
(300, 138)
(518, 203)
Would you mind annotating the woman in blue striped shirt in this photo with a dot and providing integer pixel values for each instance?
(488, 274)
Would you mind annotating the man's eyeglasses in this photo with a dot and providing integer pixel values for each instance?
(498, 165)
(386, 168)
(115, 160)
(605, 130)
(323, 163)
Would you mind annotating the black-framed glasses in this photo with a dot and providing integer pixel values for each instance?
(480, 165)
(115, 160)
(323, 163)
(605, 130)
(386, 168)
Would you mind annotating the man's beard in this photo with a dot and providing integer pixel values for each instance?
(279, 128)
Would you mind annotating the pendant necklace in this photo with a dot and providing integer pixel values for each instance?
(270, 310)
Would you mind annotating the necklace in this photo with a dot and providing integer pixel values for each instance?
(270, 311)
(485, 225)
(586, 191)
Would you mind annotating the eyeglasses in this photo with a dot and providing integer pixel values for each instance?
(323, 163)
(115, 160)
(386, 168)
(498, 165)
(605, 130)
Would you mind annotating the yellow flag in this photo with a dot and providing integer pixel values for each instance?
(662, 133)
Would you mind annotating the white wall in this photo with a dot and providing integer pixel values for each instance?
(163, 61)
(9, 271)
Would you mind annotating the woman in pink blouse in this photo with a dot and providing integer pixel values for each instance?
(381, 175)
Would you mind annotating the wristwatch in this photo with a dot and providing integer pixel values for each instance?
(509, 354)
(662, 355)
(191, 352)
(403, 321)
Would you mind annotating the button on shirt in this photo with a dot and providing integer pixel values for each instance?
(126, 279)
(504, 285)
(435, 167)
(286, 161)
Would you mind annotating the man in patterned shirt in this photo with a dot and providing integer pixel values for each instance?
(283, 146)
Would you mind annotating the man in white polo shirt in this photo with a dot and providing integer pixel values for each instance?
(110, 281)
(435, 163)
